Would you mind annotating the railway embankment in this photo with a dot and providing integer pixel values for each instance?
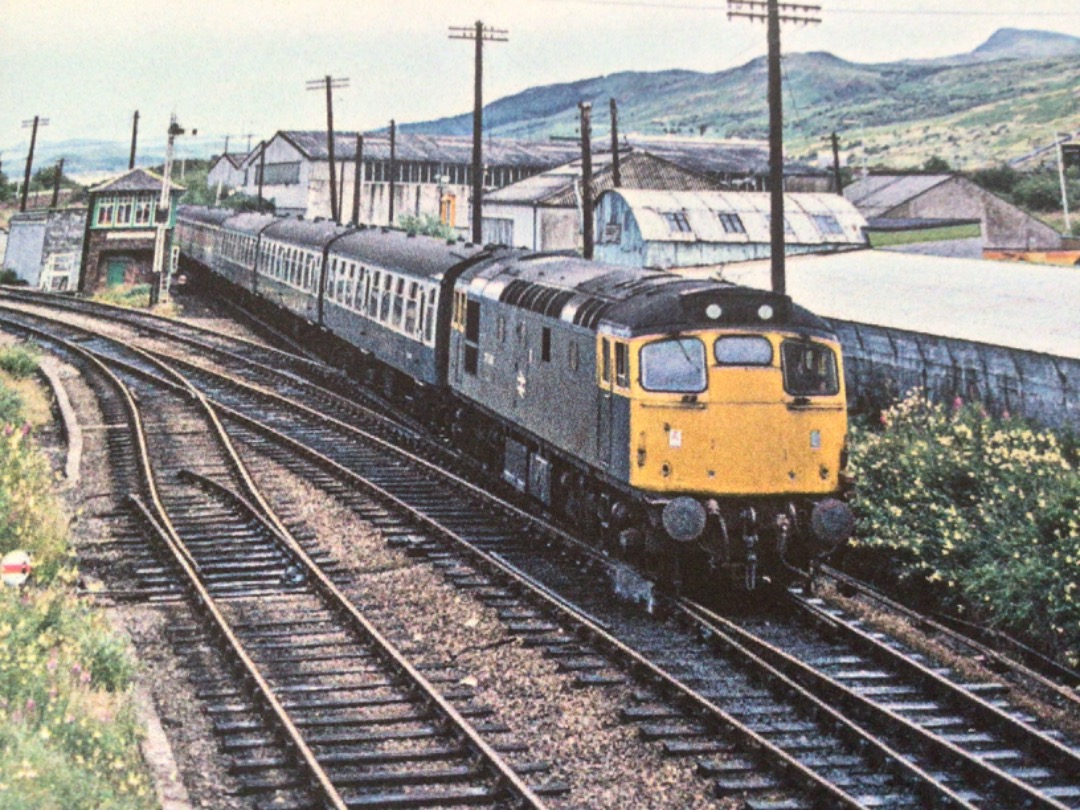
(69, 729)
(973, 515)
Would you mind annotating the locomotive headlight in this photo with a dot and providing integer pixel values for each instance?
(713, 312)
(832, 523)
(684, 519)
(765, 312)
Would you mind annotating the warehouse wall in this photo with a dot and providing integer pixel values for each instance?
(882, 364)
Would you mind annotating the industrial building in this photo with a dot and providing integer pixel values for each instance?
(947, 198)
(665, 229)
(426, 175)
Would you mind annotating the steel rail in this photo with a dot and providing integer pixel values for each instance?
(263, 512)
(1013, 730)
(158, 518)
(632, 659)
(1057, 690)
(1017, 791)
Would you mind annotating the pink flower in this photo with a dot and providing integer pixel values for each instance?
(957, 403)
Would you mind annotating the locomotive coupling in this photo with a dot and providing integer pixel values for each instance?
(832, 523)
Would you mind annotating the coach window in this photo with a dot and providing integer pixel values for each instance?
(622, 365)
(373, 298)
(384, 301)
(429, 328)
(411, 309)
(399, 302)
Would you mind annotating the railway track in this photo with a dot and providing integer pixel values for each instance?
(758, 731)
(318, 708)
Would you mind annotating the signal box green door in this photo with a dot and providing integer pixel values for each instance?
(114, 272)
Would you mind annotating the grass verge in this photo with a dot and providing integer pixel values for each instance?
(68, 733)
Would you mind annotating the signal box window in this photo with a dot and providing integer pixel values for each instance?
(674, 366)
(809, 369)
(738, 350)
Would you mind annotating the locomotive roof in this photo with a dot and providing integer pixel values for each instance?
(394, 249)
(629, 301)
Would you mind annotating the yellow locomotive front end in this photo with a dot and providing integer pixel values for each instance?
(737, 440)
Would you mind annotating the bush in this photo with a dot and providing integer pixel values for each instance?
(427, 225)
(19, 361)
(125, 295)
(974, 515)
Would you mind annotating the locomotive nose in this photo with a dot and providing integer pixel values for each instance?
(832, 523)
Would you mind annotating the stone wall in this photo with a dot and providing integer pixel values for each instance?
(883, 364)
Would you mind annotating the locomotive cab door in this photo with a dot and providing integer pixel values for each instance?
(605, 411)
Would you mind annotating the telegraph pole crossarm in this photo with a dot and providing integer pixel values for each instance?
(480, 33)
(773, 13)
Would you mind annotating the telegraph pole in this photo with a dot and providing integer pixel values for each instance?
(331, 84)
(56, 183)
(393, 167)
(479, 33)
(1061, 178)
(262, 169)
(134, 139)
(616, 174)
(836, 164)
(770, 12)
(586, 179)
(30, 158)
(358, 179)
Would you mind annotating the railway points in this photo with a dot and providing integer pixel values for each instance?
(732, 769)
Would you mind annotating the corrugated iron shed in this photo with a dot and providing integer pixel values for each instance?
(1029, 307)
(702, 210)
(431, 149)
(876, 195)
(718, 159)
(559, 187)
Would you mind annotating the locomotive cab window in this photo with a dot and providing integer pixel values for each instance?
(809, 369)
(740, 350)
(622, 365)
(674, 366)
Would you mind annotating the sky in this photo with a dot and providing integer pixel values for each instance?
(226, 67)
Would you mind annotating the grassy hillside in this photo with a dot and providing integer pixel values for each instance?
(998, 102)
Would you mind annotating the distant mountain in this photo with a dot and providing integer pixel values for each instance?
(86, 157)
(997, 101)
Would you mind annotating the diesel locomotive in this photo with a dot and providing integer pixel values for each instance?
(695, 427)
